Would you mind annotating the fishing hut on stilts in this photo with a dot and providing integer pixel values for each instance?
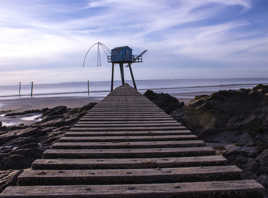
(120, 55)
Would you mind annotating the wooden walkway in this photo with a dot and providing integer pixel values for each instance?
(126, 147)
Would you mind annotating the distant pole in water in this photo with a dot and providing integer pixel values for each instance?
(19, 88)
(88, 87)
(32, 84)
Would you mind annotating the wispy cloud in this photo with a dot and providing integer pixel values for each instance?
(41, 35)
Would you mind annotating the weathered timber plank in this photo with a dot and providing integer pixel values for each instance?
(116, 145)
(128, 138)
(128, 176)
(128, 163)
(121, 125)
(127, 128)
(132, 117)
(128, 153)
(123, 110)
(216, 189)
(128, 113)
(122, 119)
(125, 133)
(124, 122)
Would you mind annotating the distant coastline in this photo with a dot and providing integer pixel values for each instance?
(181, 88)
(24, 104)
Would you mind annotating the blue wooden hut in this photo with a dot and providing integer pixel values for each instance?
(121, 55)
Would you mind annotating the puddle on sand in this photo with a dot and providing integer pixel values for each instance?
(9, 123)
(32, 118)
(17, 120)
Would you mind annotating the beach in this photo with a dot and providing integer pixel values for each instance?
(25, 104)
(74, 94)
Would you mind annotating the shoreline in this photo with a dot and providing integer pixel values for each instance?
(24, 104)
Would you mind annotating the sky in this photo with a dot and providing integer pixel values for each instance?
(45, 40)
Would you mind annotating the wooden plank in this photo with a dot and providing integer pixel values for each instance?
(128, 138)
(132, 119)
(215, 189)
(124, 122)
(128, 117)
(128, 109)
(128, 153)
(127, 113)
(127, 128)
(116, 145)
(121, 125)
(136, 163)
(126, 133)
(128, 176)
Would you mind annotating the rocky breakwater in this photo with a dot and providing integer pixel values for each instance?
(21, 145)
(166, 102)
(235, 122)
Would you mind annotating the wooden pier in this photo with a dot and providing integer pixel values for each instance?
(127, 147)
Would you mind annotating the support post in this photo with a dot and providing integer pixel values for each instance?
(88, 88)
(112, 80)
(122, 73)
(19, 88)
(132, 76)
(32, 84)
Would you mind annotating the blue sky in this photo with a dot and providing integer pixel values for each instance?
(45, 40)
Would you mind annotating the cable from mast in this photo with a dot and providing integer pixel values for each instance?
(99, 46)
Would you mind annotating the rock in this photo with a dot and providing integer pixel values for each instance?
(56, 111)
(8, 177)
(21, 158)
(20, 141)
(164, 101)
(20, 146)
(238, 150)
(26, 132)
(229, 110)
(53, 123)
(263, 179)
(262, 161)
(6, 137)
(14, 161)
(23, 112)
(178, 114)
(86, 108)
(18, 133)
(34, 152)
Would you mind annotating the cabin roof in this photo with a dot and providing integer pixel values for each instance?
(122, 47)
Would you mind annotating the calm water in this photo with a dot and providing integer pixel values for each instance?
(185, 88)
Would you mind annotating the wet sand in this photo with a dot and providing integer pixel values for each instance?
(24, 104)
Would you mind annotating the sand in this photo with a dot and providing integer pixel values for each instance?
(24, 104)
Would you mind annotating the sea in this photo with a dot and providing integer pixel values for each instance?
(181, 88)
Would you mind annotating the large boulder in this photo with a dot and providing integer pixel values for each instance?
(230, 110)
(20, 146)
(8, 177)
(262, 161)
(164, 101)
